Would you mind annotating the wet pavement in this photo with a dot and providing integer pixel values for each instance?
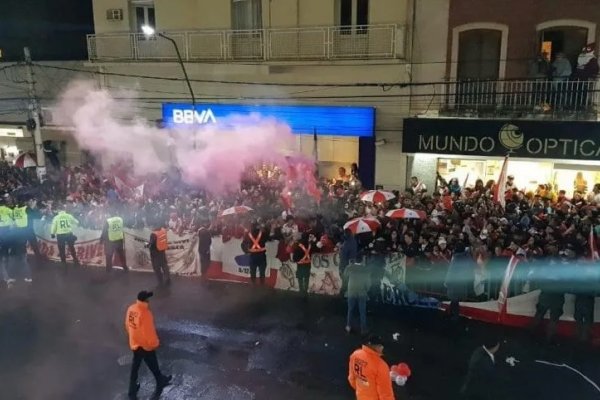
(64, 338)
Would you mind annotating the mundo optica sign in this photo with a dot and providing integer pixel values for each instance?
(302, 119)
(523, 138)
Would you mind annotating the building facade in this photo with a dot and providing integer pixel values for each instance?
(350, 53)
(519, 78)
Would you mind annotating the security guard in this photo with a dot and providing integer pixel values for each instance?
(158, 254)
(143, 341)
(62, 229)
(254, 244)
(302, 255)
(113, 238)
(20, 235)
(6, 223)
(368, 373)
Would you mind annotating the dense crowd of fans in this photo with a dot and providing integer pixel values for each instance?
(533, 226)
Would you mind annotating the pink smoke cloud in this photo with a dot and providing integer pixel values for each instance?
(111, 128)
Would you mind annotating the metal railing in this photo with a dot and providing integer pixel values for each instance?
(519, 96)
(277, 44)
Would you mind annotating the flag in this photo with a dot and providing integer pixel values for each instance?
(139, 191)
(503, 294)
(500, 189)
(465, 182)
(593, 248)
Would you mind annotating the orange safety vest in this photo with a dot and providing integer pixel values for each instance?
(306, 258)
(162, 243)
(139, 324)
(256, 248)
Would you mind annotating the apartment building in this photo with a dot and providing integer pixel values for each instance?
(312, 55)
(519, 79)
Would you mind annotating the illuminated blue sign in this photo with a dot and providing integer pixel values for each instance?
(325, 120)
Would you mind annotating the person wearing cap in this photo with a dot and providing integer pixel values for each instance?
(368, 373)
(143, 341)
(480, 382)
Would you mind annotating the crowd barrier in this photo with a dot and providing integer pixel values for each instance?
(229, 263)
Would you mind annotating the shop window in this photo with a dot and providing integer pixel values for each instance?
(353, 13)
(246, 14)
(568, 40)
(144, 14)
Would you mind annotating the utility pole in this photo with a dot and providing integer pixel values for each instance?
(33, 123)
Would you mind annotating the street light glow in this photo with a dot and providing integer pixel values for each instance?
(148, 30)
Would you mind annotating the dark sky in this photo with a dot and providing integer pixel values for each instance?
(53, 29)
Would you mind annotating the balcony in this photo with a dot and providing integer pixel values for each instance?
(520, 99)
(286, 44)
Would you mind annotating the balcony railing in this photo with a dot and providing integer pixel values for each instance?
(281, 44)
(521, 98)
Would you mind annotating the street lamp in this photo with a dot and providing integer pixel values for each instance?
(148, 31)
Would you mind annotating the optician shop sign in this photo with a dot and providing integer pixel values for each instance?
(529, 139)
(325, 120)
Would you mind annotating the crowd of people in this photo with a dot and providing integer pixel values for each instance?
(541, 229)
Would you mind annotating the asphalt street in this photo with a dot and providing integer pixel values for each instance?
(63, 338)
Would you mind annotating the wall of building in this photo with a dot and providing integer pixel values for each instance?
(521, 17)
(102, 25)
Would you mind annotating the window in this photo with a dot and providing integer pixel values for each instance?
(246, 14)
(353, 13)
(479, 54)
(144, 15)
(567, 40)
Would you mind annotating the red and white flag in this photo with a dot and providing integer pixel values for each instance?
(499, 195)
(593, 247)
(503, 295)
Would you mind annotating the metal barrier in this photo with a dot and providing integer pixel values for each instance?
(311, 43)
(531, 96)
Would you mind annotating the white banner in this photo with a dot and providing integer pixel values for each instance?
(88, 248)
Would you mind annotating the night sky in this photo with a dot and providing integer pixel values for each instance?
(53, 29)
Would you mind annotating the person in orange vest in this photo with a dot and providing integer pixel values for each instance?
(158, 254)
(302, 256)
(254, 244)
(368, 373)
(143, 341)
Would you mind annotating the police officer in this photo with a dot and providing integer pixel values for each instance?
(20, 235)
(6, 223)
(204, 243)
(158, 254)
(62, 229)
(254, 244)
(113, 238)
(302, 255)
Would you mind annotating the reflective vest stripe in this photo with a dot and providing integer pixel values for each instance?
(256, 248)
(306, 258)
(162, 243)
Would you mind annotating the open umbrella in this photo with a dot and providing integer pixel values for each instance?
(238, 210)
(406, 213)
(362, 225)
(25, 160)
(376, 196)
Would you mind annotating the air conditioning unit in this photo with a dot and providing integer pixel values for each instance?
(114, 14)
